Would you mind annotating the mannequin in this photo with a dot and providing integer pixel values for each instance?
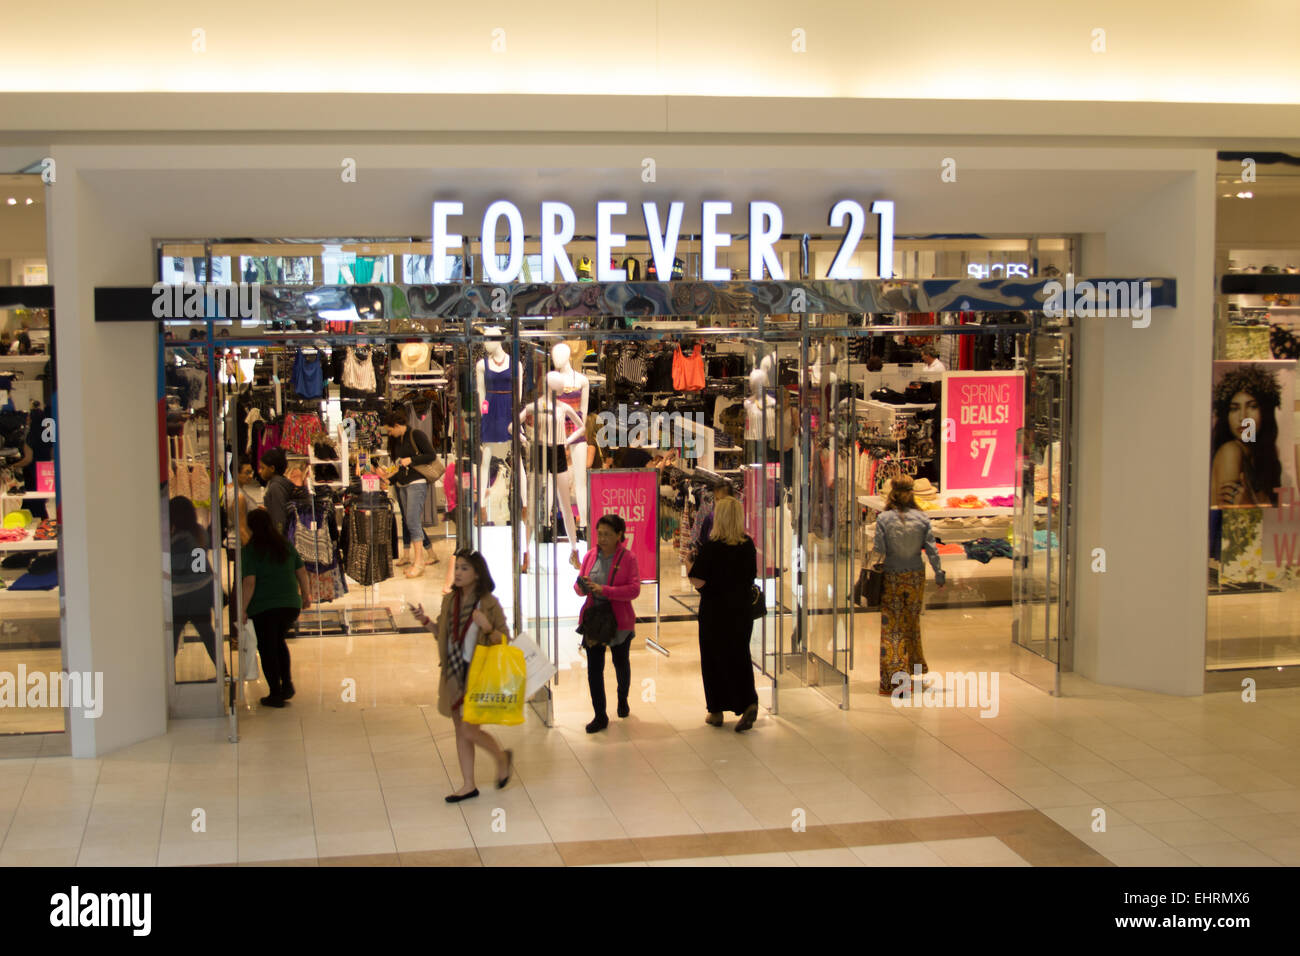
(554, 432)
(760, 417)
(571, 388)
(494, 376)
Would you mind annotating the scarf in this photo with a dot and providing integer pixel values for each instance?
(461, 635)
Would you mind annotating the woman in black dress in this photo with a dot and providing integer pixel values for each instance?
(724, 572)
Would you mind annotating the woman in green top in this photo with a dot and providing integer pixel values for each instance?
(275, 591)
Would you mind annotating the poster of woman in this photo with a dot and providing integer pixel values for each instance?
(1252, 445)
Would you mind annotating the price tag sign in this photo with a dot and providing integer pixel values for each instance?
(981, 413)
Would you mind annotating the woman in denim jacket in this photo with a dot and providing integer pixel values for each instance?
(902, 532)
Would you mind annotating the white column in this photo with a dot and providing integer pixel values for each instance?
(1143, 412)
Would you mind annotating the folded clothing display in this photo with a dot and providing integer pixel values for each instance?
(8, 535)
(36, 582)
(47, 530)
(985, 550)
(1002, 501)
(970, 501)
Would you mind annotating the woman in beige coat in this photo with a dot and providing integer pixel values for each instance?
(470, 616)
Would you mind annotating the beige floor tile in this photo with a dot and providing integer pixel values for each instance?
(1181, 833)
(355, 844)
(451, 837)
(1286, 850)
(270, 847)
(834, 856)
(1119, 839)
(119, 854)
(898, 854)
(1156, 811)
(975, 851)
(1193, 785)
(1258, 827)
(42, 856)
(762, 859)
(696, 861)
(1275, 801)
(1235, 853)
(987, 801)
(1153, 856)
(198, 854)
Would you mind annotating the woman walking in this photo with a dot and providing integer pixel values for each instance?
(609, 577)
(192, 599)
(724, 572)
(470, 616)
(902, 532)
(275, 592)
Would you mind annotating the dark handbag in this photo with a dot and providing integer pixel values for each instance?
(757, 603)
(874, 589)
(598, 624)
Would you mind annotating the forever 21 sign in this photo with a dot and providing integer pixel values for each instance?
(557, 228)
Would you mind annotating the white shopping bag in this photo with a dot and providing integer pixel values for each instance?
(539, 667)
(248, 669)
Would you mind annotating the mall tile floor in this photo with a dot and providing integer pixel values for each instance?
(1209, 781)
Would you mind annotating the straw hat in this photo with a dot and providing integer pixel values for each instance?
(922, 488)
(415, 357)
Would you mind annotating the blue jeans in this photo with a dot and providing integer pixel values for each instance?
(410, 499)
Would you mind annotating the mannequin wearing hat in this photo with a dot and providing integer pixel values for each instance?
(495, 378)
(571, 388)
(553, 425)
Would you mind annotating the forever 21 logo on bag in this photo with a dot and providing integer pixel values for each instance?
(485, 698)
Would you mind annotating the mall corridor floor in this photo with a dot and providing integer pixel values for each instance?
(1098, 777)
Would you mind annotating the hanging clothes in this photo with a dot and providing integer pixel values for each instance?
(313, 531)
(359, 370)
(688, 371)
(307, 378)
(497, 418)
(369, 543)
(299, 430)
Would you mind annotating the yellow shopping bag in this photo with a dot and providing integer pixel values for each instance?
(494, 691)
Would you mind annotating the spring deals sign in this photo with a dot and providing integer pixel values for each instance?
(633, 495)
(981, 413)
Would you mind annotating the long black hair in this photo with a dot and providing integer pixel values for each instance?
(1264, 468)
(264, 538)
(484, 583)
(183, 517)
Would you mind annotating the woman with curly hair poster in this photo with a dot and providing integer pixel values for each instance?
(1252, 451)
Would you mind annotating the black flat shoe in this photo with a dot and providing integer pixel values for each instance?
(510, 766)
(458, 797)
(288, 690)
(747, 718)
(623, 709)
(597, 725)
(272, 701)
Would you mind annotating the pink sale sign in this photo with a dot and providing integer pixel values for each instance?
(633, 495)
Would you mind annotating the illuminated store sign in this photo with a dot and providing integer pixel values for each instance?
(1010, 270)
(557, 227)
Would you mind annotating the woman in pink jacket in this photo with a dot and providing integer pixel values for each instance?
(609, 575)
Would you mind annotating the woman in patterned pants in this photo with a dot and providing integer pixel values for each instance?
(902, 532)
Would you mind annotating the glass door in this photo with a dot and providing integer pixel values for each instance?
(827, 442)
(1040, 618)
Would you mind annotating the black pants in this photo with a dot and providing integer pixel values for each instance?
(202, 621)
(272, 626)
(596, 673)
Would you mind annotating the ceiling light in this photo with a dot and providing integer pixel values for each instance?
(12, 201)
(30, 200)
(1245, 195)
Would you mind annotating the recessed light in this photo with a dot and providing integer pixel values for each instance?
(12, 201)
(1245, 195)
(30, 200)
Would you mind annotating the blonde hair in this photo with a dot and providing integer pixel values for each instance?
(728, 522)
(900, 495)
(593, 427)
